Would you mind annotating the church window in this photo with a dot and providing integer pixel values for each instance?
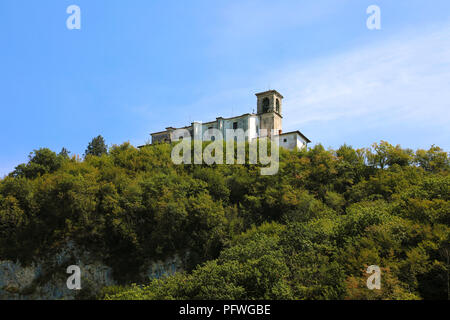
(278, 106)
(265, 104)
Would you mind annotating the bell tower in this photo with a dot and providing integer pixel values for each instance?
(269, 106)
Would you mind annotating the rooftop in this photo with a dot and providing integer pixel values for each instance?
(269, 92)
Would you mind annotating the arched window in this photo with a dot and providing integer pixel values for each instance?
(278, 106)
(265, 104)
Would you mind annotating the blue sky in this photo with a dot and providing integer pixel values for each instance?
(139, 66)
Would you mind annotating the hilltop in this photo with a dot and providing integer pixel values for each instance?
(308, 232)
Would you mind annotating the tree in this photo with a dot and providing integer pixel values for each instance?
(64, 153)
(386, 155)
(308, 232)
(435, 159)
(96, 147)
(445, 254)
(41, 161)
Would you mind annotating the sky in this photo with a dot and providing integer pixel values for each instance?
(136, 67)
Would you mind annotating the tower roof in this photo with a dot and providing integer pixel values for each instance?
(269, 92)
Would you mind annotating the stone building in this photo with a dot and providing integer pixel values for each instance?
(268, 117)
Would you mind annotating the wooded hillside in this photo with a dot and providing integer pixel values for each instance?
(308, 232)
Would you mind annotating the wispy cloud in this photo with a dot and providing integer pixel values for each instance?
(396, 89)
(403, 79)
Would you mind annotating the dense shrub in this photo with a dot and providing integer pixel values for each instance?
(308, 232)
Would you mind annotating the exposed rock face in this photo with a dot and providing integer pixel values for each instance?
(47, 279)
(167, 267)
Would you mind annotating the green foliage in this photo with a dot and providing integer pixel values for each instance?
(96, 147)
(64, 153)
(40, 162)
(434, 160)
(308, 232)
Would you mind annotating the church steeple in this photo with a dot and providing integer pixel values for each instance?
(269, 101)
(269, 105)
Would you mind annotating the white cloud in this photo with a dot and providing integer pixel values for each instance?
(397, 89)
(405, 78)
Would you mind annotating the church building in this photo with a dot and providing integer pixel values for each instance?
(268, 117)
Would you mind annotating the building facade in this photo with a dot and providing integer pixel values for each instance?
(268, 119)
